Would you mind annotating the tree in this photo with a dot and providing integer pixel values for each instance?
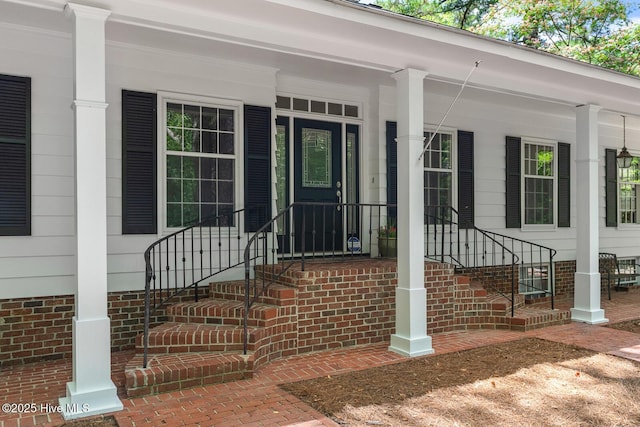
(456, 13)
(594, 31)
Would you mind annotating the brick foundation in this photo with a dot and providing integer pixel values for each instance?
(341, 305)
(499, 277)
(33, 329)
(345, 306)
(565, 278)
(330, 305)
(337, 305)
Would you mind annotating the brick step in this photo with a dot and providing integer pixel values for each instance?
(170, 372)
(500, 302)
(528, 318)
(276, 294)
(171, 338)
(542, 302)
(221, 312)
(471, 286)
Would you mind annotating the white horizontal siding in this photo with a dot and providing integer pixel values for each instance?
(42, 185)
(35, 247)
(25, 266)
(137, 69)
(35, 286)
(52, 206)
(43, 264)
(52, 225)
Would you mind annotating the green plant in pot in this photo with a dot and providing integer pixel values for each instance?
(388, 240)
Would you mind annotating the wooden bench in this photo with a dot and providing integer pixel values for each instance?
(610, 271)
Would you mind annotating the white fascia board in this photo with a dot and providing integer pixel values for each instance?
(220, 21)
(415, 27)
(40, 4)
(344, 32)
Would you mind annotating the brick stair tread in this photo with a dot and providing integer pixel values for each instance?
(529, 312)
(504, 302)
(276, 294)
(527, 318)
(176, 371)
(219, 311)
(175, 338)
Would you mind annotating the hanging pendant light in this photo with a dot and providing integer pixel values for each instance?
(624, 158)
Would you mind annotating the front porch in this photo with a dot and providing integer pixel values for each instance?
(331, 304)
(260, 398)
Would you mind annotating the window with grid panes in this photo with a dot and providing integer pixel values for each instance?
(539, 183)
(628, 183)
(628, 271)
(438, 173)
(200, 162)
(534, 279)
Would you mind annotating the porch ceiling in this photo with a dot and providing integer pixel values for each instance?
(338, 41)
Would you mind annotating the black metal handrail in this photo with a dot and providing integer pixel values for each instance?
(469, 247)
(181, 260)
(313, 230)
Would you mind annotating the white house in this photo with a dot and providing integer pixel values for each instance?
(122, 121)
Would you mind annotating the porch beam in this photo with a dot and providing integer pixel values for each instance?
(91, 390)
(586, 304)
(411, 337)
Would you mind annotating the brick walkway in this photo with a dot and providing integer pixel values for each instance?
(259, 401)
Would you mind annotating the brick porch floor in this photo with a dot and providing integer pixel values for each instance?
(259, 402)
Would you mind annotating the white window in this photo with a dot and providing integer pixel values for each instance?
(438, 173)
(200, 160)
(628, 186)
(539, 182)
(534, 279)
(628, 271)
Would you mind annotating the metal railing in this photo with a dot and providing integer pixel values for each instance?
(178, 262)
(310, 230)
(506, 261)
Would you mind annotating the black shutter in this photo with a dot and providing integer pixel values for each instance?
(611, 187)
(392, 168)
(15, 156)
(257, 166)
(465, 180)
(564, 184)
(512, 202)
(139, 163)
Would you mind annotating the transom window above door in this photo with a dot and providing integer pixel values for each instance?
(317, 106)
(200, 161)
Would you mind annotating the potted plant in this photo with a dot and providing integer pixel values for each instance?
(388, 241)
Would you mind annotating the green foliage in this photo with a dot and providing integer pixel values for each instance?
(545, 162)
(389, 231)
(631, 174)
(594, 31)
(455, 13)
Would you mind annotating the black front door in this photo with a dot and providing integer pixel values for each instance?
(318, 179)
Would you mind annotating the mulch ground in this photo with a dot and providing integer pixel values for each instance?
(394, 384)
(629, 326)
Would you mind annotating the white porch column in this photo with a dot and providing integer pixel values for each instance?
(91, 391)
(411, 337)
(586, 305)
